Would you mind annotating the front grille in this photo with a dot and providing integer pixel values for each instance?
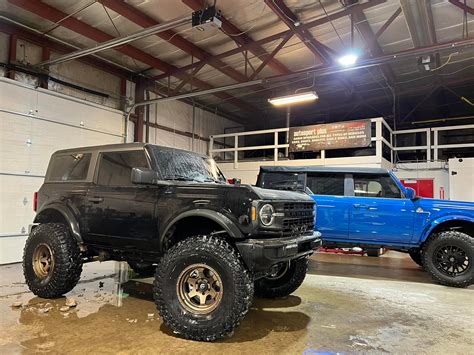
(298, 218)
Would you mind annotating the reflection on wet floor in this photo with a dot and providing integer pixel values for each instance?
(347, 304)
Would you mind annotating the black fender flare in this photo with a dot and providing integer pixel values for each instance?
(68, 215)
(222, 220)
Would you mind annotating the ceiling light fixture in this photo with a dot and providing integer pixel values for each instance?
(294, 98)
(347, 60)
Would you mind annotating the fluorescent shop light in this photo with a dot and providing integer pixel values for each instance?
(294, 99)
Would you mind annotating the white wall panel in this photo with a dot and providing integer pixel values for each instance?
(33, 124)
(461, 179)
(432, 170)
(179, 116)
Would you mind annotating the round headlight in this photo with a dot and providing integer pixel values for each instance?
(266, 214)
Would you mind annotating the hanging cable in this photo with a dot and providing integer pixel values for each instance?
(446, 63)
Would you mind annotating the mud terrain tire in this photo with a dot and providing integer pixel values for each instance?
(448, 256)
(52, 262)
(185, 268)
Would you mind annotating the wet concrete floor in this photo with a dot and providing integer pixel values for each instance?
(346, 304)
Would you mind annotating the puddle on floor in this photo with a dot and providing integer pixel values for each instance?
(115, 313)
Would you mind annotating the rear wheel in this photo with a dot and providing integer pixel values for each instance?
(284, 281)
(52, 262)
(415, 255)
(449, 256)
(202, 289)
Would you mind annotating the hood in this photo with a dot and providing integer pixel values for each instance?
(268, 194)
(252, 192)
(444, 205)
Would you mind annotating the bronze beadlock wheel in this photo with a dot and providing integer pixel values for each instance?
(189, 287)
(43, 261)
(199, 289)
(52, 261)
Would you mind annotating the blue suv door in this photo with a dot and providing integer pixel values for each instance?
(379, 211)
(332, 208)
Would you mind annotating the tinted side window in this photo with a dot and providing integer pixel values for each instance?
(367, 185)
(70, 167)
(326, 183)
(283, 181)
(115, 168)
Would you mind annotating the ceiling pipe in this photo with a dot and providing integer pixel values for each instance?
(185, 96)
(387, 58)
(60, 41)
(317, 71)
(119, 41)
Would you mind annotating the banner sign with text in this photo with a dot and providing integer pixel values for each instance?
(350, 134)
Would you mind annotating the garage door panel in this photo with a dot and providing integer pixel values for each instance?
(80, 114)
(27, 144)
(10, 94)
(11, 249)
(58, 108)
(16, 209)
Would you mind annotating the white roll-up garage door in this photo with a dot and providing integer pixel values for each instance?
(33, 124)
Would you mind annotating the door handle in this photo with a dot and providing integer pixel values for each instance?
(95, 199)
(358, 205)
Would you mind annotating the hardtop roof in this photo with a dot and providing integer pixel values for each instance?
(322, 169)
(120, 147)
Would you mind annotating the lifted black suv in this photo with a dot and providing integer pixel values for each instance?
(214, 244)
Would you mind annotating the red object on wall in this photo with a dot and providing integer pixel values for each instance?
(423, 187)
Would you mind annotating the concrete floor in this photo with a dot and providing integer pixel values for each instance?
(346, 304)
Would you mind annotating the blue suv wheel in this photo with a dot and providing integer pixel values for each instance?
(449, 257)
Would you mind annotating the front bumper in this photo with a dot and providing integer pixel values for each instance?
(261, 254)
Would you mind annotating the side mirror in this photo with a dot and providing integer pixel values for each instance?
(144, 176)
(410, 193)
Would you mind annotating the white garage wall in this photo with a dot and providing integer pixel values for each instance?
(179, 116)
(433, 170)
(33, 124)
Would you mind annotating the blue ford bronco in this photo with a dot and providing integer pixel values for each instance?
(370, 208)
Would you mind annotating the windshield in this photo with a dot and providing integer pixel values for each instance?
(176, 164)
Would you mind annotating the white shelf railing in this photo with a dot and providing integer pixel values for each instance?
(379, 139)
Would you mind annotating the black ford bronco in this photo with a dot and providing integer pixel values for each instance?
(170, 212)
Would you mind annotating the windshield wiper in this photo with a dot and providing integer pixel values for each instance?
(213, 180)
(187, 178)
(179, 178)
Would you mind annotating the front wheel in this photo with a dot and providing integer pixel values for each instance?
(52, 262)
(448, 256)
(284, 281)
(202, 289)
